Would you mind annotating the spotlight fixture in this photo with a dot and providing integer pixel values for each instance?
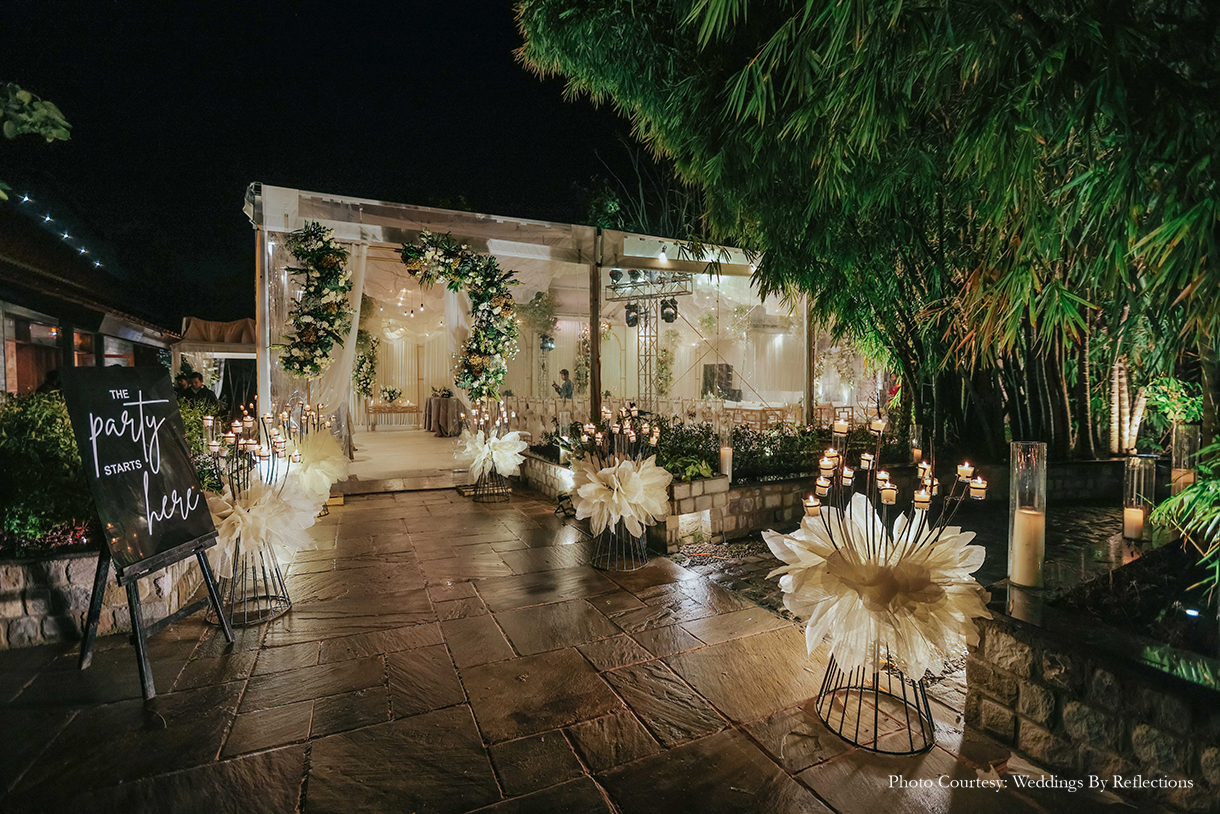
(663, 257)
(616, 275)
(669, 310)
(631, 312)
(546, 342)
(635, 275)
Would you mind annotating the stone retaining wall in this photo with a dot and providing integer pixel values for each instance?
(1083, 712)
(48, 600)
(545, 477)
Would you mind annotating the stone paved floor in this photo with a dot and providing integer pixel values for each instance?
(444, 656)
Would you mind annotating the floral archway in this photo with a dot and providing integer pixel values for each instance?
(483, 362)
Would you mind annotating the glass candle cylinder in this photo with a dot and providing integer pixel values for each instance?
(916, 443)
(725, 431)
(1139, 485)
(1026, 513)
(812, 506)
(1185, 455)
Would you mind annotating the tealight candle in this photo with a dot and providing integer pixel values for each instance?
(822, 486)
(847, 476)
(296, 456)
(839, 427)
(923, 467)
(832, 454)
(236, 426)
(826, 467)
(264, 453)
(635, 412)
(599, 438)
(812, 506)
(978, 488)
(230, 438)
(866, 461)
(923, 500)
(965, 472)
(584, 439)
(615, 428)
(889, 494)
(882, 477)
(207, 421)
(213, 446)
(877, 425)
(932, 485)
(247, 422)
(652, 442)
(916, 454)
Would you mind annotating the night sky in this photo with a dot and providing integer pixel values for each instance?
(176, 107)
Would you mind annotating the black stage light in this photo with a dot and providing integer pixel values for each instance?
(669, 310)
(632, 314)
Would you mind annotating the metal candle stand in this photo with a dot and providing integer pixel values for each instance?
(846, 700)
(625, 437)
(491, 487)
(257, 592)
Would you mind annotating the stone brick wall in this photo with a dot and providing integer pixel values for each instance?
(545, 477)
(1082, 712)
(48, 600)
(766, 506)
(709, 495)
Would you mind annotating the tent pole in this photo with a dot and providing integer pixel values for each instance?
(262, 314)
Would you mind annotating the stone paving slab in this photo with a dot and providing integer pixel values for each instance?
(446, 656)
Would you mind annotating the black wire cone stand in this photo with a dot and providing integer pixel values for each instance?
(491, 487)
(256, 593)
(615, 549)
(853, 705)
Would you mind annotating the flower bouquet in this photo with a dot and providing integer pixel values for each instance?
(389, 395)
(618, 486)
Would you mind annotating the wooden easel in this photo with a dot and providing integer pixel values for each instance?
(128, 578)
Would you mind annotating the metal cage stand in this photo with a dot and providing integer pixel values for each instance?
(852, 705)
(491, 487)
(617, 550)
(256, 593)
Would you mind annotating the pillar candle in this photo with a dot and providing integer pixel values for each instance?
(840, 427)
(916, 454)
(923, 500)
(1133, 522)
(726, 462)
(812, 506)
(1028, 548)
(866, 460)
(877, 425)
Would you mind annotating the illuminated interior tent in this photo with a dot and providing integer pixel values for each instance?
(673, 331)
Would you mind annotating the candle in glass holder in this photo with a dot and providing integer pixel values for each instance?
(847, 476)
(1028, 547)
(296, 456)
(826, 467)
(635, 412)
(822, 486)
(839, 427)
(1133, 522)
(264, 453)
(207, 421)
(213, 446)
(833, 454)
(923, 467)
(866, 460)
(965, 472)
(877, 425)
(812, 506)
(598, 438)
(247, 422)
(236, 426)
(916, 454)
(882, 477)
(978, 488)
(932, 485)
(726, 461)
(889, 494)
(230, 438)
(923, 500)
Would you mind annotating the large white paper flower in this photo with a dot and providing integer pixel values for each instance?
(322, 465)
(914, 603)
(636, 493)
(497, 453)
(271, 516)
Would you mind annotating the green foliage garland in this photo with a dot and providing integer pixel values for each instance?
(483, 363)
(322, 318)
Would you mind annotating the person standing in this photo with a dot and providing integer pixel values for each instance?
(565, 389)
(199, 394)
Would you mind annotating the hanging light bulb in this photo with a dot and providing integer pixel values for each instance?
(663, 257)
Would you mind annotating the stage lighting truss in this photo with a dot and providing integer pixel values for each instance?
(639, 284)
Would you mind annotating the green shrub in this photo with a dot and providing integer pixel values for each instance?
(41, 479)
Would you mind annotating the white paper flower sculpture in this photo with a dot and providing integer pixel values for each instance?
(497, 453)
(322, 465)
(873, 594)
(636, 493)
(271, 516)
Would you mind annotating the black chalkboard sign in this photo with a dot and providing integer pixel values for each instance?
(134, 452)
(135, 456)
